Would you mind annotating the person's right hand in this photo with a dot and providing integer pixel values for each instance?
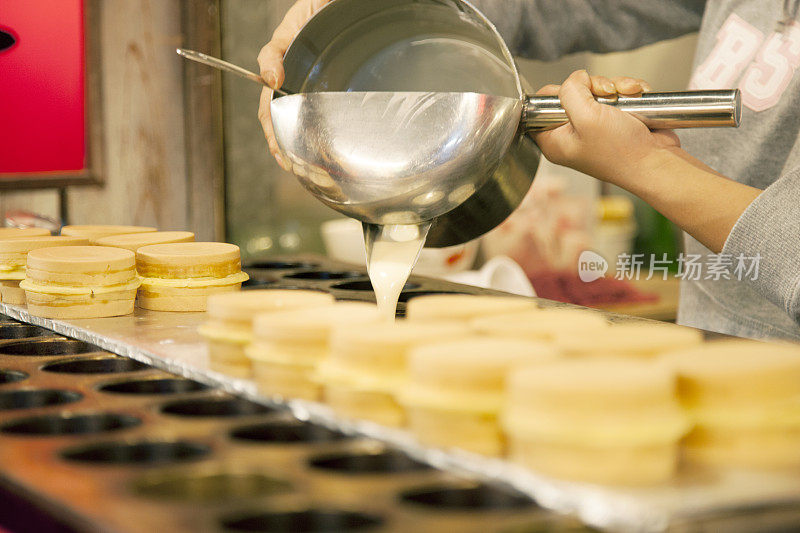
(601, 140)
(270, 62)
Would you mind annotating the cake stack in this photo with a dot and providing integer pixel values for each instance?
(744, 399)
(455, 390)
(600, 420)
(181, 276)
(289, 345)
(80, 282)
(368, 366)
(230, 322)
(13, 258)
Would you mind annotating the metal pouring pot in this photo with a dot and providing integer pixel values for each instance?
(412, 110)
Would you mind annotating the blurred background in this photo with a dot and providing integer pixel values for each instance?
(179, 146)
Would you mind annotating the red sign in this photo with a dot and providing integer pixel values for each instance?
(42, 87)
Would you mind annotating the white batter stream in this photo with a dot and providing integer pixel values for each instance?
(392, 251)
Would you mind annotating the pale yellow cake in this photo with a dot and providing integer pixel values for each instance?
(744, 397)
(134, 241)
(181, 276)
(542, 324)
(609, 421)
(94, 232)
(288, 346)
(13, 257)
(5, 233)
(455, 390)
(229, 327)
(635, 339)
(367, 367)
(80, 282)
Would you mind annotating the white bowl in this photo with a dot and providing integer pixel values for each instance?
(344, 241)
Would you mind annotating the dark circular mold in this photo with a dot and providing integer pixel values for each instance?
(96, 365)
(33, 398)
(384, 462)
(19, 330)
(279, 265)
(325, 275)
(137, 453)
(478, 497)
(11, 376)
(47, 347)
(253, 283)
(366, 286)
(406, 296)
(305, 521)
(154, 386)
(215, 407)
(285, 432)
(70, 424)
(211, 488)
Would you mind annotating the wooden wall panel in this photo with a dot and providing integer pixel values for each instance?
(144, 151)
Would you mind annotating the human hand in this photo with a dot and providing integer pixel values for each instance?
(270, 62)
(600, 140)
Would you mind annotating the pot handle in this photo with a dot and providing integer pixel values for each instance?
(688, 109)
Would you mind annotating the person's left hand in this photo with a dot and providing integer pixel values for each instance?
(600, 140)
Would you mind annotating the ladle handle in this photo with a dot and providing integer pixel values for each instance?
(688, 109)
(218, 63)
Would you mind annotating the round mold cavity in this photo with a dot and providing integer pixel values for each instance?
(305, 521)
(215, 407)
(286, 432)
(137, 453)
(12, 376)
(209, 488)
(47, 347)
(23, 331)
(478, 497)
(384, 462)
(70, 424)
(325, 275)
(253, 283)
(154, 386)
(96, 365)
(33, 398)
(366, 286)
(279, 265)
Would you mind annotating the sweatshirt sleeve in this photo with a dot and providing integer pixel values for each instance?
(549, 29)
(769, 232)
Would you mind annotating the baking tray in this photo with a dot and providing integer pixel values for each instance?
(169, 342)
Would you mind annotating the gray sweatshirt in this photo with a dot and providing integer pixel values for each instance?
(750, 44)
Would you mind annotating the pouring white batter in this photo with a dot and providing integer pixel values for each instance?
(392, 251)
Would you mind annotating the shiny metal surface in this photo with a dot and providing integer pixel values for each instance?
(423, 46)
(221, 64)
(689, 109)
(394, 158)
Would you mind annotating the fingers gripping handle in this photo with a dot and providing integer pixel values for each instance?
(689, 109)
